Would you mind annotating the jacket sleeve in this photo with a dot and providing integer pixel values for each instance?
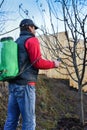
(33, 49)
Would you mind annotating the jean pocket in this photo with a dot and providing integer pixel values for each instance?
(19, 93)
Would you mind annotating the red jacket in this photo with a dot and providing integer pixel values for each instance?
(33, 48)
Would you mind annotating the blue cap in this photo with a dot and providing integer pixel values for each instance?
(27, 22)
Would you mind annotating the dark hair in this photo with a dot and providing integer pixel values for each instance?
(24, 28)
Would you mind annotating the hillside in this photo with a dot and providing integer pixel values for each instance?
(55, 100)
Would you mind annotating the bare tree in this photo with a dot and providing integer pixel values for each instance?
(74, 52)
(1, 15)
(9, 15)
(75, 20)
(1, 3)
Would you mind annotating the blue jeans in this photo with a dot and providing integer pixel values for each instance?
(21, 101)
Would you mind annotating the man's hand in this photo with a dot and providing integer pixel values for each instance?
(57, 63)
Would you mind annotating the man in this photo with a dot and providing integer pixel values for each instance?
(22, 88)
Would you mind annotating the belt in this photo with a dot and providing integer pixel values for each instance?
(32, 83)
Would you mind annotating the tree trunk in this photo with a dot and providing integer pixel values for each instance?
(81, 104)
